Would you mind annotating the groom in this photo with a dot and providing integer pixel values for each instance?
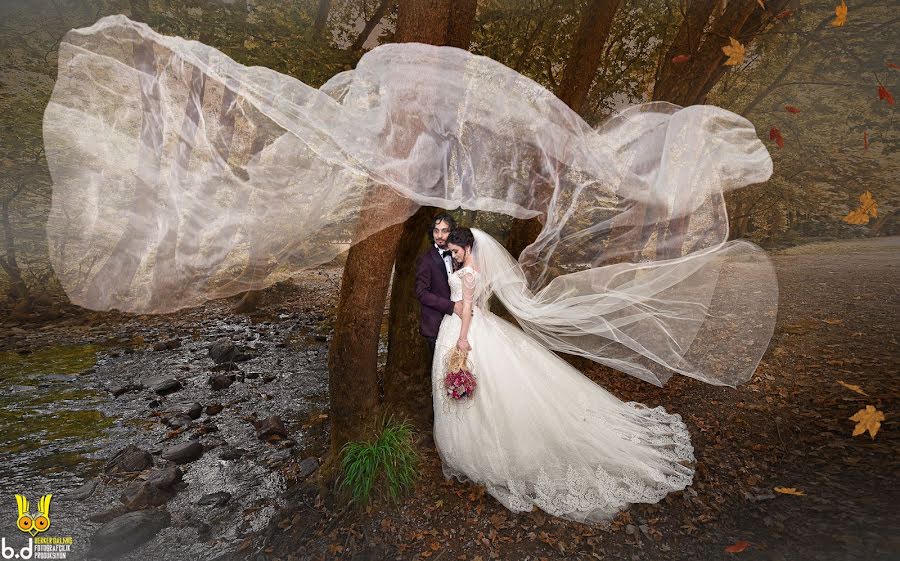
(433, 269)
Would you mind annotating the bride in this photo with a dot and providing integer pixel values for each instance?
(181, 176)
(537, 432)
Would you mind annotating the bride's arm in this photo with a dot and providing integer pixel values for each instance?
(468, 282)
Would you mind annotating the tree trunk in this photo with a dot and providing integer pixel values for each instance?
(353, 354)
(18, 293)
(577, 77)
(370, 25)
(407, 378)
(321, 16)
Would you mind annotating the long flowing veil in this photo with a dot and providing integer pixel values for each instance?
(180, 175)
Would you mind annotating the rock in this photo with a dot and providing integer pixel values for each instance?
(215, 499)
(81, 493)
(173, 343)
(163, 385)
(252, 375)
(178, 420)
(127, 388)
(231, 453)
(144, 493)
(214, 408)
(307, 467)
(268, 378)
(223, 350)
(159, 346)
(280, 456)
(183, 453)
(270, 428)
(220, 381)
(194, 410)
(165, 478)
(127, 532)
(130, 458)
(630, 529)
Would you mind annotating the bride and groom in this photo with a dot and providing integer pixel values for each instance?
(161, 203)
(537, 432)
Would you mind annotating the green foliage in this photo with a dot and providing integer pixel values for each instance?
(387, 467)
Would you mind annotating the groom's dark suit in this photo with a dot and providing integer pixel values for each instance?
(433, 292)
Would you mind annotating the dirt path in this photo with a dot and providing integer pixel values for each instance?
(789, 427)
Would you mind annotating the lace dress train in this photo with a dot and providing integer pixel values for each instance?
(539, 433)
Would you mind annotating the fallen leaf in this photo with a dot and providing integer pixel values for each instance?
(867, 208)
(832, 321)
(865, 140)
(734, 51)
(775, 134)
(868, 419)
(789, 491)
(840, 13)
(785, 14)
(885, 95)
(738, 546)
(791, 109)
(680, 59)
(761, 4)
(852, 387)
(892, 65)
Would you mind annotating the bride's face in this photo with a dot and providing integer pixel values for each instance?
(458, 252)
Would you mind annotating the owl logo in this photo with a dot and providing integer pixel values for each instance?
(37, 524)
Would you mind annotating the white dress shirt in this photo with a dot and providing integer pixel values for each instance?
(448, 264)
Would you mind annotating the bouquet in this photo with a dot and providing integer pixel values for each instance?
(459, 382)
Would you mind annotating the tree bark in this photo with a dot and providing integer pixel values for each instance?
(407, 381)
(321, 16)
(353, 354)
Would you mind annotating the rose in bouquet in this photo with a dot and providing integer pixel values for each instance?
(459, 381)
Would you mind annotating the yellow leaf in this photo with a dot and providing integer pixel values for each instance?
(789, 491)
(852, 387)
(867, 208)
(734, 51)
(840, 13)
(868, 419)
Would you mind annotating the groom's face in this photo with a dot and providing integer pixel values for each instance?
(440, 232)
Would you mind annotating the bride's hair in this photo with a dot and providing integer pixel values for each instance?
(462, 237)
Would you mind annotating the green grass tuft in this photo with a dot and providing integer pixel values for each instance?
(387, 467)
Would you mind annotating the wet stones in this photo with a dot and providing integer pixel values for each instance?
(163, 385)
(270, 429)
(224, 351)
(183, 453)
(220, 381)
(214, 409)
(307, 467)
(129, 459)
(220, 498)
(128, 531)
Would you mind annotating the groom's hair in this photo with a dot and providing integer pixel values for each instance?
(442, 217)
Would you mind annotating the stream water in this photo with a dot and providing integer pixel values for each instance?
(60, 424)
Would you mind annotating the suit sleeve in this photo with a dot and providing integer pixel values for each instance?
(423, 289)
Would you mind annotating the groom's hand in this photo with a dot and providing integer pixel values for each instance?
(457, 308)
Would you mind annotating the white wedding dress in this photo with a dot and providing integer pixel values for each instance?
(537, 432)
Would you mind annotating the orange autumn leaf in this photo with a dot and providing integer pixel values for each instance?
(852, 387)
(789, 491)
(738, 546)
(868, 419)
(734, 51)
(840, 13)
(892, 65)
(680, 59)
(775, 134)
(867, 208)
(785, 14)
(791, 109)
(865, 140)
(885, 95)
